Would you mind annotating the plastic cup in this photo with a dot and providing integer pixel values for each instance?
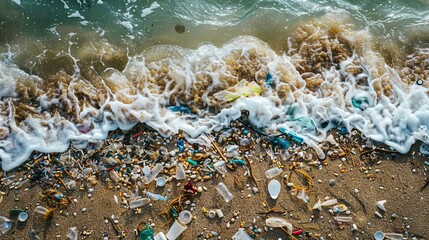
(379, 235)
(160, 182)
(185, 216)
(175, 230)
(23, 216)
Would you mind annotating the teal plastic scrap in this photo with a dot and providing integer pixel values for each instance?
(238, 161)
(280, 143)
(147, 233)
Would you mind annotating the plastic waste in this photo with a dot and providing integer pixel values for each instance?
(279, 222)
(180, 172)
(160, 236)
(5, 224)
(273, 172)
(72, 233)
(155, 196)
(241, 235)
(241, 89)
(279, 142)
(380, 204)
(222, 189)
(179, 226)
(329, 202)
(394, 236)
(181, 145)
(269, 80)
(220, 166)
(303, 196)
(160, 182)
(231, 151)
(147, 233)
(23, 216)
(32, 235)
(219, 213)
(318, 205)
(42, 210)
(182, 109)
(136, 203)
(343, 219)
(360, 102)
(114, 176)
(379, 235)
(238, 162)
(150, 176)
(339, 208)
(295, 137)
(274, 188)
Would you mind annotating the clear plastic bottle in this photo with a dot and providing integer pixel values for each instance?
(136, 203)
(273, 172)
(114, 176)
(180, 172)
(222, 189)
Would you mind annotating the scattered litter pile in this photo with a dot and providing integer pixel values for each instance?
(246, 185)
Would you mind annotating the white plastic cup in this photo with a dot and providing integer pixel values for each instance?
(176, 230)
(5, 225)
(185, 217)
(23, 216)
(241, 235)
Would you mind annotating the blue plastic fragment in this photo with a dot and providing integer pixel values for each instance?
(343, 131)
(280, 143)
(181, 145)
(182, 109)
(156, 196)
(245, 131)
(269, 80)
(238, 161)
(295, 137)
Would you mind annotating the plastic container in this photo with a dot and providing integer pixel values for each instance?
(394, 236)
(379, 235)
(219, 213)
(185, 217)
(241, 235)
(160, 236)
(114, 176)
(139, 202)
(222, 189)
(274, 188)
(179, 225)
(180, 172)
(273, 172)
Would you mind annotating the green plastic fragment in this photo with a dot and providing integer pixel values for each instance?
(238, 161)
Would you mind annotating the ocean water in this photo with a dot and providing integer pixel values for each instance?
(73, 70)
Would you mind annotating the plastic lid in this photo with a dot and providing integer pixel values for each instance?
(23, 216)
(160, 182)
(185, 217)
(379, 235)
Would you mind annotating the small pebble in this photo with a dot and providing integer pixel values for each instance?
(331, 182)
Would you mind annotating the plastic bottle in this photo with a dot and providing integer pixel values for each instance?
(222, 189)
(160, 236)
(139, 202)
(114, 176)
(180, 172)
(273, 172)
(179, 225)
(155, 196)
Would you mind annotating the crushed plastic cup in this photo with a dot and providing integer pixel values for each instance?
(241, 235)
(5, 224)
(72, 233)
(279, 222)
(23, 216)
(180, 172)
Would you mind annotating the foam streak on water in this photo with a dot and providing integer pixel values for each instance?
(328, 77)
